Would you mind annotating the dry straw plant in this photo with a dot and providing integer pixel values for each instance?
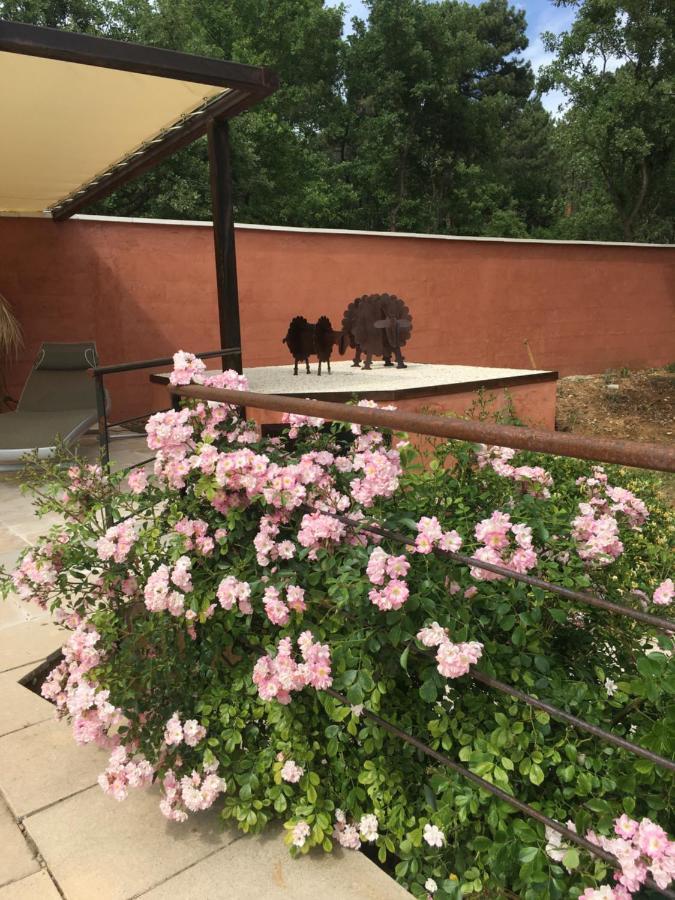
(11, 341)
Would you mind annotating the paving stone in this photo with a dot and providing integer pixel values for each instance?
(96, 847)
(20, 707)
(16, 857)
(36, 887)
(42, 764)
(28, 642)
(261, 866)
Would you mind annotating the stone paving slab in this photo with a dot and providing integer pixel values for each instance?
(95, 846)
(261, 866)
(42, 764)
(17, 859)
(30, 642)
(36, 887)
(20, 707)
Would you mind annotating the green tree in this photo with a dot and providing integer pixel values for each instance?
(616, 67)
(433, 89)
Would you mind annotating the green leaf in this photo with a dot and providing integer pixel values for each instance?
(404, 658)
(527, 854)
(571, 859)
(428, 691)
(536, 774)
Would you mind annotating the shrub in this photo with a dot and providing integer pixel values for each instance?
(213, 604)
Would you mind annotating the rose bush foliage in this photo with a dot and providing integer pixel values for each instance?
(212, 603)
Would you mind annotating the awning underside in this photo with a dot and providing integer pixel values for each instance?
(65, 124)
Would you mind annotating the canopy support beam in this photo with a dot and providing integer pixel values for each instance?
(220, 168)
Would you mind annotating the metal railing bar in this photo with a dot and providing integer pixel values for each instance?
(630, 453)
(525, 808)
(162, 361)
(556, 713)
(667, 625)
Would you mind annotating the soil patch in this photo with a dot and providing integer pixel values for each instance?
(637, 406)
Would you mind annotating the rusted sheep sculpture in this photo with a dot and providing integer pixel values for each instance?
(377, 325)
(305, 339)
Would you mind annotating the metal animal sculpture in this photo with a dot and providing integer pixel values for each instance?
(305, 339)
(377, 325)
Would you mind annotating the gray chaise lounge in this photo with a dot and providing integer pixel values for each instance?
(57, 402)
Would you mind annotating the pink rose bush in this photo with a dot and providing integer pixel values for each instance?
(232, 622)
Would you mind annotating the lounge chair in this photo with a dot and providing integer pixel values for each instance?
(58, 402)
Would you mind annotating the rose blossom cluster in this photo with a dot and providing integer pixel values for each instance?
(231, 591)
(350, 835)
(641, 848)
(663, 595)
(301, 831)
(387, 572)
(381, 470)
(177, 732)
(297, 422)
(137, 480)
(318, 530)
(117, 542)
(159, 591)
(75, 695)
(291, 772)
(495, 534)
(189, 369)
(83, 482)
(124, 772)
(611, 500)
(596, 529)
(37, 574)
(278, 610)
(430, 534)
(192, 792)
(597, 536)
(267, 548)
(453, 660)
(195, 535)
(277, 676)
(534, 479)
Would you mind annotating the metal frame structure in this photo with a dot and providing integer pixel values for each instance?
(246, 86)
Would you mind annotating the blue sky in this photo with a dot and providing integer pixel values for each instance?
(542, 15)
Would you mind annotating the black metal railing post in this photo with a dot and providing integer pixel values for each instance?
(102, 413)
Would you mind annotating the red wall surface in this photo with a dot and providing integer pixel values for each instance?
(146, 289)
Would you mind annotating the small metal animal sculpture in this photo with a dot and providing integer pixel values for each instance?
(305, 339)
(377, 325)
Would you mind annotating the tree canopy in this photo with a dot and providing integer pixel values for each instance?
(426, 117)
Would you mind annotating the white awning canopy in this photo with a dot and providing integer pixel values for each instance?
(81, 115)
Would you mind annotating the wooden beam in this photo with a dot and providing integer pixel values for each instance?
(54, 43)
(220, 168)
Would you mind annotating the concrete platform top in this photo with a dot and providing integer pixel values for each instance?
(380, 382)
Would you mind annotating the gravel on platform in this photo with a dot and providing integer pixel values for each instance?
(351, 380)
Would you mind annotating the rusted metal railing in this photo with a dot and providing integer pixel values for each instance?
(660, 457)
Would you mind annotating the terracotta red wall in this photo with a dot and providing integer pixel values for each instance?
(145, 289)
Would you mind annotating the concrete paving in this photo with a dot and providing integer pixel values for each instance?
(61, 838)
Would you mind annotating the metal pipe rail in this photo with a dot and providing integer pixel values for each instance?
(161, 361)
(660, 457)
(525, 808)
